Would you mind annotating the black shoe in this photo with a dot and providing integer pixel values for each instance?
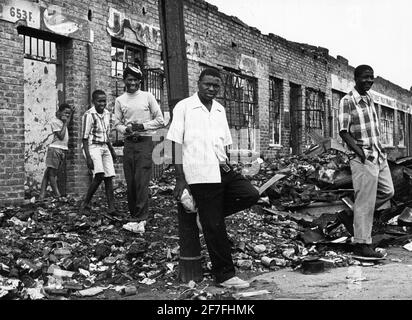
(366, 250)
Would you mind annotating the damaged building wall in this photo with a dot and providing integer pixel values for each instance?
(11, 115)
(311, 82)
(215, 39)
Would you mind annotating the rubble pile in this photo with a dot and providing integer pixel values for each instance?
(48, 250)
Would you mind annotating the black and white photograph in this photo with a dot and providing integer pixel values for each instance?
(203, 158)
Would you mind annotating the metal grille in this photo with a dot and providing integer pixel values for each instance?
(122, 55)
(275, 96)
(336, 97)
(401, 128)
(386, 126)
(40, 49)
(314, 113)
(239, 97)
(153, 80)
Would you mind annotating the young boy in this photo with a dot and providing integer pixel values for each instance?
(98, 150)
(56, 152)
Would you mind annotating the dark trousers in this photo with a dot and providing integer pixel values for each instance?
(215, 201)
(137, 167)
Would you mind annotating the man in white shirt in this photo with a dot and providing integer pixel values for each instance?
(200, 132)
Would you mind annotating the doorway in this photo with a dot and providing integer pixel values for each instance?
(43, 92)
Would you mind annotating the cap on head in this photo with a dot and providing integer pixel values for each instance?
(361, 68)
(134, 71)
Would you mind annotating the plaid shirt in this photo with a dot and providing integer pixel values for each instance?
(96, 127)
(357, 115)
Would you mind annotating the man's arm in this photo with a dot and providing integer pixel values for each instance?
(352, 144)
(89, 160)
(62, 133)
(119, 124)
(156, 113)
(181, 182)
(111, 149)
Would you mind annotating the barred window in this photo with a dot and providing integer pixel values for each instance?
(386, 126)
(123, 54)
(401, 128)
(275, 98)
(239, 97)
(40, 49)
(314, 113)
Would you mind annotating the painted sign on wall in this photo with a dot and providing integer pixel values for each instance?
(15, 10)
(147, 35)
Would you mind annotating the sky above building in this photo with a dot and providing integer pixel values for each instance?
(374, 32)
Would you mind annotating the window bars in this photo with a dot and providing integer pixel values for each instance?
(239, 97)
(275, 97)
(39, 49)
(386, 126)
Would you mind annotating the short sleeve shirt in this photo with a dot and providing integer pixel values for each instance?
(56, 126)
(203, 135)
(95, 126)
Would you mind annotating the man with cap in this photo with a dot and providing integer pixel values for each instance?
(371, 177)
(137, 115)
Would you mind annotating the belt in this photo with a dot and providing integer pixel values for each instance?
(224, 168)
(138, 139)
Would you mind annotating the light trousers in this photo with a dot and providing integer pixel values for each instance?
(373, 186)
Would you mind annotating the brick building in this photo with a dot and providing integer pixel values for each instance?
(60, 51)
(275, 91)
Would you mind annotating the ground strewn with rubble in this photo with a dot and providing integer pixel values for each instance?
(50, 251)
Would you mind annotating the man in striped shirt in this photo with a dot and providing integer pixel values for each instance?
(98, 150)
(371, 177)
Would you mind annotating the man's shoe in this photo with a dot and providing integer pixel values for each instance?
(366, 250)
(116, 213)
(235, 282)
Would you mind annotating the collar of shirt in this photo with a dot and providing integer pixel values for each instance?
(357, 97)
(101, 115)
(196, 103)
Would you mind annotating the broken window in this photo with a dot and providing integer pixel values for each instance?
(275, 99)
(239, 96)
(401, 128)
(336, 97)
(314, 112)
(39, 49)
(386, 126)
(123, 54)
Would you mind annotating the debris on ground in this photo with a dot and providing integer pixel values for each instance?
(49, 250)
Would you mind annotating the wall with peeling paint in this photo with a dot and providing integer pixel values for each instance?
(40, 105)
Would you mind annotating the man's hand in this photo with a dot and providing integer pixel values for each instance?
(181, 185)
(89, 163)
(129, 130)
(363, 158)
(137, 127)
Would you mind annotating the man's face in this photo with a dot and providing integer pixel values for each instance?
(132, 83)
(364, 81)
(209, 87)
(100, 103)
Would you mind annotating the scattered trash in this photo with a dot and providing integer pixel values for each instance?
(259, 248)
(136, 227)
(91, 291)
(408, 246)
(251, 294)
(188, 202)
